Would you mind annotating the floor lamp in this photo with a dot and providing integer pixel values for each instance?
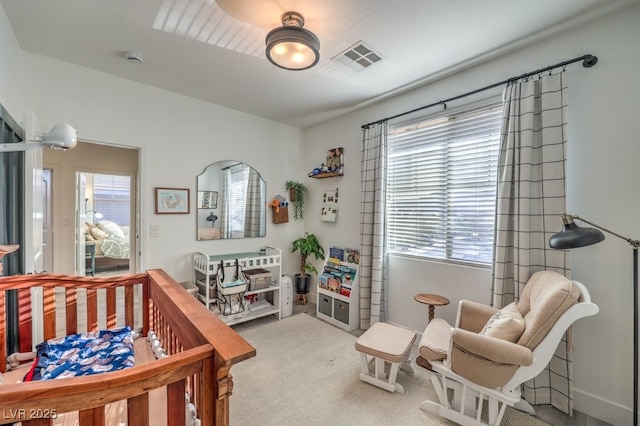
(573, 236)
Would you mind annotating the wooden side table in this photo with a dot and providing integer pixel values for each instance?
(432, 300)
(90, 254)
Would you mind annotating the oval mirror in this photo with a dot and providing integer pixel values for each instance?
(231, 202)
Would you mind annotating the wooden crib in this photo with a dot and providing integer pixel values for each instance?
(201, 348)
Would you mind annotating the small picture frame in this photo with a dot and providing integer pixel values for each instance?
(172, 200)
(207, 199)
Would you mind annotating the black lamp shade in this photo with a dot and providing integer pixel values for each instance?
(573, 236)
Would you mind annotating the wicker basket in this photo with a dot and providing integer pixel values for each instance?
(258, 278)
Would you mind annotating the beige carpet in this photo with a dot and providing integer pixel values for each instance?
(306, 373)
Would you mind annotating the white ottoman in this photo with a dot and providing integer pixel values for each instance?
(389, 347)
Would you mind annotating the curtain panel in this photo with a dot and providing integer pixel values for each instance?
(11, 192)
(253, 206)
(225, 220)
(372, 232)
(530, 201)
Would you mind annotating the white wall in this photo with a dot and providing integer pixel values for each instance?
(178, 138)
(603, 177)
(10, 53)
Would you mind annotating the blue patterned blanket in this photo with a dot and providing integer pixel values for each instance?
(83, 354)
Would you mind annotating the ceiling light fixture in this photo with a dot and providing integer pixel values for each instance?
(291, 46)
(62, 137)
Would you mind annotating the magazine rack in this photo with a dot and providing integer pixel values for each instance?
(338, 294)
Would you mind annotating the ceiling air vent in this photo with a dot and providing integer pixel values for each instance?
(358, 57)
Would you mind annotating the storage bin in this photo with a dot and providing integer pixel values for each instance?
(258, 278)
(341, 311)
(202, 288)
(190, 287)
(324, 305)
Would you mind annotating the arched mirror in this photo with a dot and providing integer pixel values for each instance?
(231, 202)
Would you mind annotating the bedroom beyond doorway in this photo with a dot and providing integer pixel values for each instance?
(105, 223)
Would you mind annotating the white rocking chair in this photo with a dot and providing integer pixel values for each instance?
(470, 367)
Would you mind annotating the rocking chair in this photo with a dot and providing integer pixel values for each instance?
(490, 352)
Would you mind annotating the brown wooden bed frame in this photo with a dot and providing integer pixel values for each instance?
(201, 348)
(104, 263)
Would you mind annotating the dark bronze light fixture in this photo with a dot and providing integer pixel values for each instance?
(291, 46)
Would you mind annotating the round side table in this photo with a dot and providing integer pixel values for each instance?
(432, 300)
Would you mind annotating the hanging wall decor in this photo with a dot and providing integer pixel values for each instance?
(329, 206)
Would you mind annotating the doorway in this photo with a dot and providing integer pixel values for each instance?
(104, 205)
(71, 215)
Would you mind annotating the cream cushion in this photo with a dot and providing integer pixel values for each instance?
(506, 324)
(111, 228)
(208, 234)
(386, 341)
(435, 340)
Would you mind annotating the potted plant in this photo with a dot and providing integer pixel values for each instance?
(307, 245)
(296, 196)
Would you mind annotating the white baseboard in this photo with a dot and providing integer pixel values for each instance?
(601, 409)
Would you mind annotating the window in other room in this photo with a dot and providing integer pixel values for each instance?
(112, 198)
(441, 187)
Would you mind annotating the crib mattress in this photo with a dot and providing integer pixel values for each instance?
(116, 413)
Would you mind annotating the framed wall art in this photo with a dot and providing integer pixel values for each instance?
(172, 201)
(207, 199)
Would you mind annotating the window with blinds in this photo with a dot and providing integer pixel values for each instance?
(112, 196)
(441, 186)
(238, 180)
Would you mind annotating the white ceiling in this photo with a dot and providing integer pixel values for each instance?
(213, 50)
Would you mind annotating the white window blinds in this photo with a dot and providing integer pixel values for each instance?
(442, 185)
(239, 178)
(112, 197)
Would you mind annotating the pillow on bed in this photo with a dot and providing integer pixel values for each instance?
(98, 233)
(111, 228)
(83, 354)
(87, 232)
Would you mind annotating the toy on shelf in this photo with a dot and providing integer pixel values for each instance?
(333, 165)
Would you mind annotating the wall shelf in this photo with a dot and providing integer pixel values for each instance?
(326, 175)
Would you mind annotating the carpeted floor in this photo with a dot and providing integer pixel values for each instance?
(306, 373)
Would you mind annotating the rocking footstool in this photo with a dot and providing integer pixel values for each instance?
(389, 347)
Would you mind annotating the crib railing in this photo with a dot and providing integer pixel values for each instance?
(201, 348)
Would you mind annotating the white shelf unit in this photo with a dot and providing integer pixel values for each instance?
(341, 310)
(268, 299)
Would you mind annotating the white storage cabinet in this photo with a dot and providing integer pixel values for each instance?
(266, 300)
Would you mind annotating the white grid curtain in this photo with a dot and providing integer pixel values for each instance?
(225, 221)
(531, 199)
(253, 206)
(372, 232)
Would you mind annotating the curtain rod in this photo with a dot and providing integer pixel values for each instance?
(587, 61)
(231, 166)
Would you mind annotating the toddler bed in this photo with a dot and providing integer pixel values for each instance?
(189, 384)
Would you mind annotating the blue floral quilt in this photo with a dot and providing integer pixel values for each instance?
(83, 354)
